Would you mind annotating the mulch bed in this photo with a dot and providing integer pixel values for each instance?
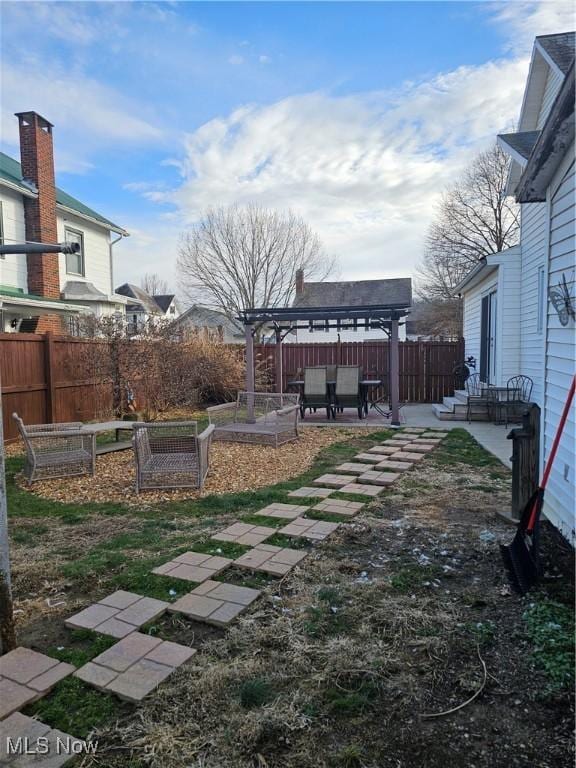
(234, 467)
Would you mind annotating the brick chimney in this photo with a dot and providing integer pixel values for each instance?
(299, 281)
(37, 159)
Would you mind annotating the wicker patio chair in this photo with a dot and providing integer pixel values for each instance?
(479, 397)
(57, 450)
(265, 418)
(316, 393)
(518, 393)
(348, 394)
(171, 454)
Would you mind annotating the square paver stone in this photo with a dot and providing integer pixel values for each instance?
(362, 490)
(118, 614)
(385, 449)
(135, 666)
(215, 602)
(339, 507)
(332, 481)
(245, 533)
(371, 458)
(427, 441)
(393, 466)
(413, 430)
(14, 696)
(353, 468)
(285, 511)
(432, 435)
(406, 456)
(417, 448)
(378, 478)
(312, 493)
(25, 676)
(29, 731)
(275, 560)
(22, 665)
(315, 530)
(193, 566)
(397, 442)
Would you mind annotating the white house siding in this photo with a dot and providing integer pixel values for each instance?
(508, 319)
(13, 266)
(96, 253)
(533, 238)
(472, 311)
(320, 336)
(560, 501)
(553, 83)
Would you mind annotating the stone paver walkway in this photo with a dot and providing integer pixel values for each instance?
(362, 490)
(418, 448)
(405, 455)
(118, 614)
(371, 458)
(275, 560)
(26, 731)
(308, 491)
(193, 566)
(135, 666)
(385, 449)
(215, 602)
(25, 676)
(283, 511)
(315, 530)
(244, 533)
(397, 442)
(353, 467)
(339, 507)
(392, 466)
(374, 477)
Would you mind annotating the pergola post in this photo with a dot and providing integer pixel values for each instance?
(394, 372)
(250, 374)
(278, 362)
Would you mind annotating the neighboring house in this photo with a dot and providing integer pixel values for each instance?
(519, 304)
(212, 323)
(50, 291)
(357, 293)
(141, 307)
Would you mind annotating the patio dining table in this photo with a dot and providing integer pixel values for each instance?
(365, 386)
(500, 395)
(108, 426)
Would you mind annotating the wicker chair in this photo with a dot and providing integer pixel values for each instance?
(57, 450)
(347, 394)
(316, 392)
(171, 454)
(479, 396)
(265, 418)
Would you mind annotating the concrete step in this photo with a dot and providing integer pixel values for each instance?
(454, 405)
(443, 413)
(461, 395)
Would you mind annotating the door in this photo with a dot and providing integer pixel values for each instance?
(488, 338)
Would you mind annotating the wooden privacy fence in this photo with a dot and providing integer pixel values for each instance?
(47, 379)
(425, 366)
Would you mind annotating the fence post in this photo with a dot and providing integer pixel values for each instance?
(49, 373)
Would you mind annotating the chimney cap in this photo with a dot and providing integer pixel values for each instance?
(32, 117)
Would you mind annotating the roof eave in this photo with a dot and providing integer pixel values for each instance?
(104, 224)
(22, 190)
(477, 274)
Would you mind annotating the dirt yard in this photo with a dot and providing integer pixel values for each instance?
(355, 659)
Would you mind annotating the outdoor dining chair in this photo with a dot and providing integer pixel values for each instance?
(518, 393)
(316, 392)
(347, 393)
(479, 397)
(57, 450)
(171, 454)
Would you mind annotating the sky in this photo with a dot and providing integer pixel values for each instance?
(354, 115)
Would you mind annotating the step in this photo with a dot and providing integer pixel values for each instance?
(462, 395)
(456, 406)
(444, 414)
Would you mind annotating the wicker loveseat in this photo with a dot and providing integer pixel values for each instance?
(171, 454)
(257, 417)
(57, 450)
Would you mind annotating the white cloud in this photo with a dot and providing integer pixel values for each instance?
(236, 60)
(522, 21)
(365, 171)
(263, 59)
(88, 115)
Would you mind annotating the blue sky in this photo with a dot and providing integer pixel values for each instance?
(353, 114)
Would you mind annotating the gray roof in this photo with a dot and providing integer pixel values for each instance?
(523, 143)
(142, 298)
(560, 48)
(164, 300)
(11, 172)
(198, 315)
(357, 293)
(78, 291)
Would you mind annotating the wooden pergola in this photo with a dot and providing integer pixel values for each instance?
(284, 320)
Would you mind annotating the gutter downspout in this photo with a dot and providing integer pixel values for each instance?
(111, 244)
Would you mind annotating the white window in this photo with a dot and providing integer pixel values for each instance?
(542, 300)
(75, 261)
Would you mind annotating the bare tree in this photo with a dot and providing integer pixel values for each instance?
(474, 219)
(154, 285)
(240, 257)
